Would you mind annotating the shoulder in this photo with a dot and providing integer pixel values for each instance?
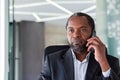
(57, 54)
(112, 58)
(113, 61)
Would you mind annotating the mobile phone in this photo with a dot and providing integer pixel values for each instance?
(93, 35)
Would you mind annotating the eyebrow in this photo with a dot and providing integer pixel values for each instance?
(83, 26)
(80, 27)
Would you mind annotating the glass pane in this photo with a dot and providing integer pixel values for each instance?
(11, 73)
(30, 40)
(36, 24)
(113, 23)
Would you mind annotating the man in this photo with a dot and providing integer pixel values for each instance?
(86, 59)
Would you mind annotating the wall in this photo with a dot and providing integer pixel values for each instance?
(55, 33)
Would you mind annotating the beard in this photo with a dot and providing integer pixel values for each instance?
(78, 45)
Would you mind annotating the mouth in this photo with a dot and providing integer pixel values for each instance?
(77, 42)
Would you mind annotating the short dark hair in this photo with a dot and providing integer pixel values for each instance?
(89, 18)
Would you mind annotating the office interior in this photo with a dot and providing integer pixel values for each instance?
(36, 24)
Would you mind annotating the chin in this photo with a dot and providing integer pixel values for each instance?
(79, 48)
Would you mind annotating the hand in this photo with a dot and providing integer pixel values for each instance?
(99, 52)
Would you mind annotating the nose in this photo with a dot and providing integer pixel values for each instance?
(76, 34)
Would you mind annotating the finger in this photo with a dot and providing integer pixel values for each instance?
(94, 38)
(93, 41)
(90, 47)
(97, 38)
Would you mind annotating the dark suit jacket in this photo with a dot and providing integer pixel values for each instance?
(59, 66)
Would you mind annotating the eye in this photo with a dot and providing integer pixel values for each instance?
(70, 30)
(83, 30)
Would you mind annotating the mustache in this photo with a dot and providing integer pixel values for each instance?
(77, 40)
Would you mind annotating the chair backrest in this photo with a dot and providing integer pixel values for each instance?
(54, 48)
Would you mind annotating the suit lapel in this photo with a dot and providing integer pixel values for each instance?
(92, 66)
(68, 65)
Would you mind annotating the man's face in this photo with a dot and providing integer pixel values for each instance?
(78, 31)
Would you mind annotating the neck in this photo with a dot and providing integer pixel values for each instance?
(80, 55)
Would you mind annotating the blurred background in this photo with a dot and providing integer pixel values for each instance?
(36, 24)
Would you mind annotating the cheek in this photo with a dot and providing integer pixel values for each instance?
(69, 38)
(86, 36)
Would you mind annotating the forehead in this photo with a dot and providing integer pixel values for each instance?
(78, 21)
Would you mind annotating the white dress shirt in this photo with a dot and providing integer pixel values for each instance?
(80, 68)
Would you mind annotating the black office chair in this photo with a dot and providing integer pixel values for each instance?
(54, 48)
